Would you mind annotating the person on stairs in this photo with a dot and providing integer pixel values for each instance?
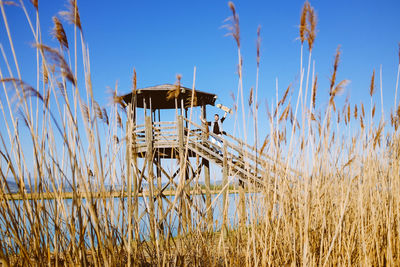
(216, 127)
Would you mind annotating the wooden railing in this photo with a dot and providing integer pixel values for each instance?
(242, 159)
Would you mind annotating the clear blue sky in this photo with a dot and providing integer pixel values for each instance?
(163, 38)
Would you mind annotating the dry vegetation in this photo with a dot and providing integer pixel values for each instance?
(342, 210)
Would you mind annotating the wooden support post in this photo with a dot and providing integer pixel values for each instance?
(159, 187)
(242, 197)
(183, 173)
(128, 158)
(159, 199)
(225, 192)
(150, 177)
(242, 204)
(206, 166)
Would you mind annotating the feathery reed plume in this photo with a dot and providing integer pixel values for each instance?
(233, 28)
(118, 100)
(72, 14)
(303, 21)
(314, 91)
(62, 89)
(191, 99)
(119, 121)
(58, 60)
(362, 123)
(21, 115)
(312, 24)
(336, 90)
(339, 88)
(349, 162)
(45, 74)
(284, 114)
(97, 110)
(377, 139)
(35, 3)
(392, 122)
(47, 98)
(266, 141)
(28, 90)
(284, 97)
(10, 3)
(134, 81)
(373, 111)
(399, 53)
(105, 116)
(335, 66)
(372, 86)
(85, 112)
(58, 32)
(362, 110)
(174, 93)
(312, 117)
(251, 97)
(348, 112)
(355, 111)
(258, 45)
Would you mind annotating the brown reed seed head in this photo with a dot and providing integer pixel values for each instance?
(312, 24)
(53, 56)
(362, 110)
(373, 111)
(97, 110)
(72, 14)
(392, 119)
(174, 93)
(105, 116)
(348, 112)
(59, 33)
(362, 123)
(35, 3)
(234, 28)
(355, 111)
(372, 86)
(251, 96)
(134, 81)
(85, 112)
(45, 74)
(284, 114)
(335, 67)
(339, 87)
(314, 91)
(303, 21)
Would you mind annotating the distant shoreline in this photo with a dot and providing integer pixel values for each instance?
(114, 194)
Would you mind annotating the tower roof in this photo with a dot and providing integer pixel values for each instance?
(163, 97)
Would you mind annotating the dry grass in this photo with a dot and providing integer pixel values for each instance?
(343, 208)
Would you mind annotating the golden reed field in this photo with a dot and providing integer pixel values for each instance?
(342, 206)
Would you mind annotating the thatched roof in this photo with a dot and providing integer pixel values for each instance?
(160, 100)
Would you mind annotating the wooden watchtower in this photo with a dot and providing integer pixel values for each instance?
(182, 140)
(154, 140)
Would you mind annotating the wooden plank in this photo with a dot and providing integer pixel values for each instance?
(207, 182)
(164, 122)
(149, 159)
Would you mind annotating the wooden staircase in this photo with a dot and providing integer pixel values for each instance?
(239, 158)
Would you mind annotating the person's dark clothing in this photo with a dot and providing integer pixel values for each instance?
(216, 129)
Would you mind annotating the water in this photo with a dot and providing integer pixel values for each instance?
(114, 216)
